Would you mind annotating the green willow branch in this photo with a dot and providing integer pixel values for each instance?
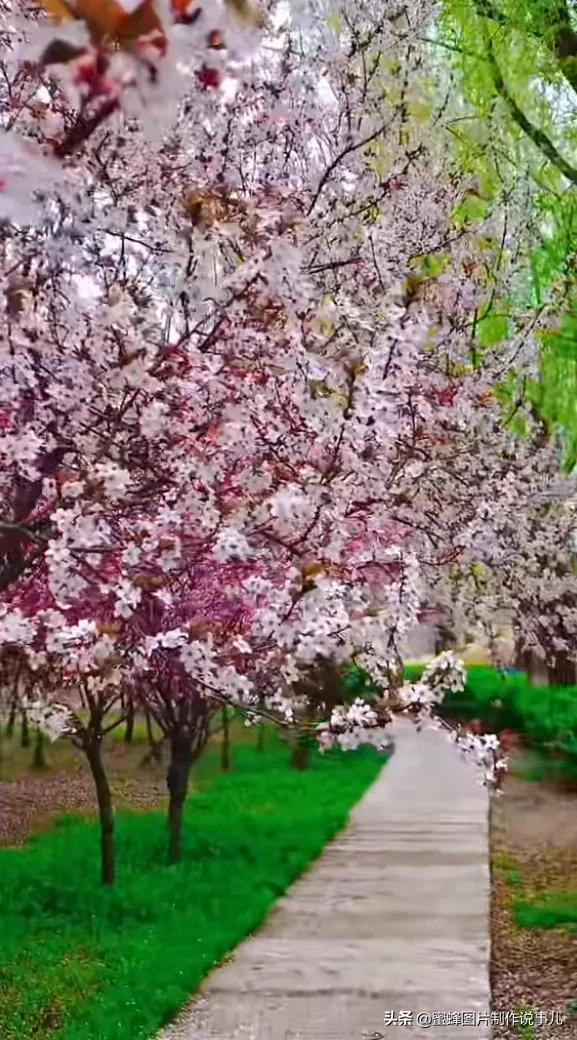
(536, 135)
(556, 32)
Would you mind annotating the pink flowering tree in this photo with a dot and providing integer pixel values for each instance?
(238, 348)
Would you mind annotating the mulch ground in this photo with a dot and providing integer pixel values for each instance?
(535, 825)
(29, 803)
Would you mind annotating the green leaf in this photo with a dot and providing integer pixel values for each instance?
(492, 329)
(431, 265)
(470, 210)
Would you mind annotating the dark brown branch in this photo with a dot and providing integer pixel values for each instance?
(536, 135)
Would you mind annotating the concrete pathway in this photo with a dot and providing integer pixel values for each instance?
(393, 917)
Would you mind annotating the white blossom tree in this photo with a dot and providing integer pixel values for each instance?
(240, 345)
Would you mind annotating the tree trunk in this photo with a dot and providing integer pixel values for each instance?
(25, 732)
(177, 783)
(444, 639)
(225, 762)
(155, 747)
(129, 727)
(562, 671)
(301, 752)
(105, 811)
(525, 660)
(260, 736)
(39, 761)
(536, 670)
(12, 718)
(520, 657)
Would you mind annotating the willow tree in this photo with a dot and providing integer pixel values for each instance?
(514, 108)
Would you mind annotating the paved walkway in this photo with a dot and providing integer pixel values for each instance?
(394, 916)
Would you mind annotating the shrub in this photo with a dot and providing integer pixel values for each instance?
(546, 716)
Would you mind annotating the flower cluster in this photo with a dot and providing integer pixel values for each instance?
(485, 752)
(240, 429)
(445, 674)
(54, 719)
(352, 726)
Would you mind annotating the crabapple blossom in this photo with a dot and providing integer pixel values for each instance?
(349, 727)
(485, 752)
(241, 431)
(446, 673)
(53, 719)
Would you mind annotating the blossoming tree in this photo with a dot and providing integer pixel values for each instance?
(238, 352)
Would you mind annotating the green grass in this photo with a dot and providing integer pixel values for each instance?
(553, 910)
(527, 1030)
(79, 962)
(508, 868)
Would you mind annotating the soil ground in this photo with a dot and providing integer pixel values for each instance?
(534, 851)
(30, 799)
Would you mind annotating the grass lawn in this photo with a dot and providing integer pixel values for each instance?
(78, 962)
(552, 910)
